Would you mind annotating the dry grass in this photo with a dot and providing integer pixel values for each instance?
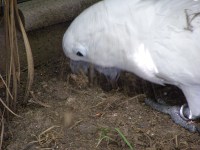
(10, 82)
(46, 139)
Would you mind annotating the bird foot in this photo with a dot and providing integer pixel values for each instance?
(179, 114)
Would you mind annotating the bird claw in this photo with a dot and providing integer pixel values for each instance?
(177, 113)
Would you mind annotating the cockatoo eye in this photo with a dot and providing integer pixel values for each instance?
(79, 54)
(80, 51)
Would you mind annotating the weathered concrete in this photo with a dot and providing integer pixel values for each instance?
(41, 13)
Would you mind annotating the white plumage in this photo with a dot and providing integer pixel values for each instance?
(158, 40)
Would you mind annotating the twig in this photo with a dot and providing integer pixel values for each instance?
(36, 101)
(189, 20)
(29, 145)
(8, 90)
(9, 108)
(47, 130)
(76, 124)
(2, 130)
(99, 104)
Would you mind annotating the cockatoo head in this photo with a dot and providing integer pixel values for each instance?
(78, 37)
(74, 45)
(83, 43)
(91, 38)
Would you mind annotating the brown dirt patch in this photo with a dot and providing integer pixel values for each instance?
(67, 114)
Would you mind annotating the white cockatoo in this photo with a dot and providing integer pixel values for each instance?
(158, 40)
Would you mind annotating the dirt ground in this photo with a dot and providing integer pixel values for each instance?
(65, 113)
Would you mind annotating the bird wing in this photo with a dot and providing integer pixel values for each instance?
(174, 44)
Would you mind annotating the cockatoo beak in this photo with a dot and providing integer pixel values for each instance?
(111, 73)
(77, 66)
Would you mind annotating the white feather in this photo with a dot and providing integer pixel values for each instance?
(150, 38)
